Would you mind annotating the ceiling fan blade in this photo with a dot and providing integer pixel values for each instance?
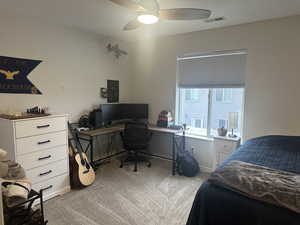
(130, 4)
(151, 5)
(184, 14)
(134, 24)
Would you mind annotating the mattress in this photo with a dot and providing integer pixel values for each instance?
(214, 205)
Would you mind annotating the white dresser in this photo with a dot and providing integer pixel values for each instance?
(40, 145)
(223, 147)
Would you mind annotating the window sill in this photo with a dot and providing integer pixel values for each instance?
(198, 137)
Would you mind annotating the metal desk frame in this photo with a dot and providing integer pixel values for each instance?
(89, 136)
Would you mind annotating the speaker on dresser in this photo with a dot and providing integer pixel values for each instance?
(95, 118)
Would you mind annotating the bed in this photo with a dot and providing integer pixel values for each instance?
(214, 205)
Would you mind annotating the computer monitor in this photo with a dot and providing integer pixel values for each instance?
(110, 112)
(115, 112)
(135, 111)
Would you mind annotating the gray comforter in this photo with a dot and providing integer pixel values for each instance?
(261, 183)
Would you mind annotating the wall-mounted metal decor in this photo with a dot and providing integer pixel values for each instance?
(103, 92)
(116, 50)
(112, 91)
(14, 75)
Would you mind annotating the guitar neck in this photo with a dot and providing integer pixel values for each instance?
(78, 145)
(75, 138)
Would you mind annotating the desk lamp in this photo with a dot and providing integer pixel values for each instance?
(233, 123)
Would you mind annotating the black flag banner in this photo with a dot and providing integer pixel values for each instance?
(14, 75)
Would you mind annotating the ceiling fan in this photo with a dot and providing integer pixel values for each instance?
(149, 12)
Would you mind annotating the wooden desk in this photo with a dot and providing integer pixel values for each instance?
(91, 134)
(119, 128)
(103, 131)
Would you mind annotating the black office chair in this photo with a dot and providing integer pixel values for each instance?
(136, 137)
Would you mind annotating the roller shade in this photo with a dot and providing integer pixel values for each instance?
(225, 69)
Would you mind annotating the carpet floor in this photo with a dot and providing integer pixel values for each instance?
(151, 196)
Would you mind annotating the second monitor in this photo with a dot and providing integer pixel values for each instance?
(114, 112)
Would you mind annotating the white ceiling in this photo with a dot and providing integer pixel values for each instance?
(106, 18)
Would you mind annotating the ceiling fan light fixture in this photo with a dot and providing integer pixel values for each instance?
(147, 19)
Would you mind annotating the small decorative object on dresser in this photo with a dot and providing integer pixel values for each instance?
(223, 147)
(222, 131)
(40, 145)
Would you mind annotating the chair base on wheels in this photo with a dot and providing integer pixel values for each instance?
(135, 158)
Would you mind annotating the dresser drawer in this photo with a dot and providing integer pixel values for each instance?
(53, 185)
(224, 146)
(43, 173)
(40, 142)
(39, 126)
(44, 157)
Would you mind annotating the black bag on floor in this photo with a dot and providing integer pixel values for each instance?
(187, 164)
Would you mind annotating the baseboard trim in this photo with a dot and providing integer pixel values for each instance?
(57, 193)
(52, 195)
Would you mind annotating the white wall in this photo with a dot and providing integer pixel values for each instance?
(272, 75)
(75, 66)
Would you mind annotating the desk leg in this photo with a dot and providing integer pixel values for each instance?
(92, 151)
(173, 156)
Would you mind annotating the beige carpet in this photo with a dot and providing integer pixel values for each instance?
(122, 197)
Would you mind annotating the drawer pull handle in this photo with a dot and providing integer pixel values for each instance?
(44, 142)
(46, 173)
(46, 188)
(46, 157)
(43, 126)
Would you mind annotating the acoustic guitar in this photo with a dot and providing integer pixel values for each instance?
(82, 173)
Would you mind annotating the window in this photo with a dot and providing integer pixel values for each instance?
(198, 123)
(223, 123)
(224, 95)
(191, 111)
(192, 95)
(208, 113)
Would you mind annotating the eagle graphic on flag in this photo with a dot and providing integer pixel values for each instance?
(14, 75)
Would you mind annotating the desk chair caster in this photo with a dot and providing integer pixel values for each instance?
(136, 159)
